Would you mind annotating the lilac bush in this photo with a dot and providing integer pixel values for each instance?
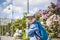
(51, 19)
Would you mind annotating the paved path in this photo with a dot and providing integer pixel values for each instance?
(11, 38)
(7, 38)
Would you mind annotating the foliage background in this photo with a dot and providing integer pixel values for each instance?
(50, 18)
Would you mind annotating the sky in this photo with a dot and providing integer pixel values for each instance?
(18, 7)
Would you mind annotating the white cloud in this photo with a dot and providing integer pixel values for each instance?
(34, 10)
(18, 17)
(19, 2)
(31, 2)
(39, 2)
(0, 9)
(23, 3)
(20, 6)
(4, 3)
(15, 9)
(8, 9)
(35, 5)
(7, 2)
(11, 8)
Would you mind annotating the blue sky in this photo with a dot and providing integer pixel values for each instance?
(1, 1)
(20, 6)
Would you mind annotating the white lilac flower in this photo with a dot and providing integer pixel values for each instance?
(51, 19)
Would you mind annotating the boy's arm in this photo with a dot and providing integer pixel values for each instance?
(32, 29)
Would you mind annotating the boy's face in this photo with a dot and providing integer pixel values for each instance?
(31, 20)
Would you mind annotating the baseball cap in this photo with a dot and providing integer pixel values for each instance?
(31, 15)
